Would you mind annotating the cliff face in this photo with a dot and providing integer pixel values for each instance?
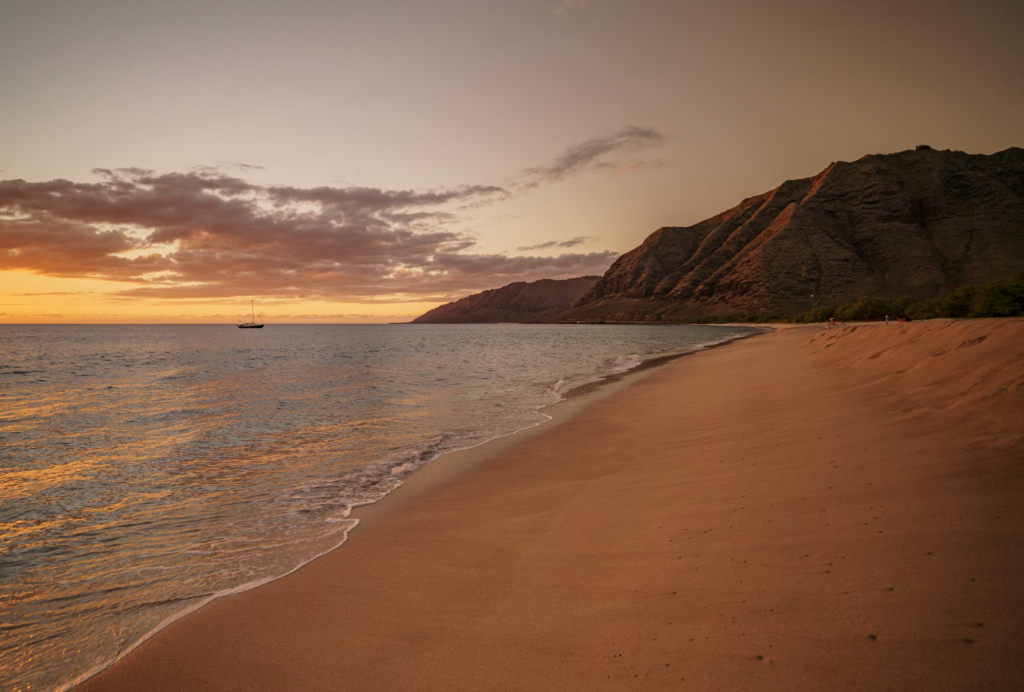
(539, 301)
(913, 223)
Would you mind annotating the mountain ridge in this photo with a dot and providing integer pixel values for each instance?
(914, 223)
(911, 223)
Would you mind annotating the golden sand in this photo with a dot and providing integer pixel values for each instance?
(798, 511)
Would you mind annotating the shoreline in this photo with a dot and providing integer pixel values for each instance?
(443, 470)
(445, 467)
(514, 476)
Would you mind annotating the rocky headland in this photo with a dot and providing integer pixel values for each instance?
(539, 301)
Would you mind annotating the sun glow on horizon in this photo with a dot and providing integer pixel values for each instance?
(28, 298)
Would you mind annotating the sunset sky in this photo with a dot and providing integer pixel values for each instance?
(354, 161)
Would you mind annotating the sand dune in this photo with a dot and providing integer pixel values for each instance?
(798, 511)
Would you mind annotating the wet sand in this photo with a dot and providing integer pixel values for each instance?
(800, 510)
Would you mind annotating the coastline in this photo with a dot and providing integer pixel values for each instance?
(449, 467)
(455, 461)
(517, 573)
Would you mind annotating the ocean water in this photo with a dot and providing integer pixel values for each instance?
(145, 470)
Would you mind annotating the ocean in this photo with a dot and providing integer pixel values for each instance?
(145, 470)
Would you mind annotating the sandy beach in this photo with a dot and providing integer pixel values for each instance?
(801, 510)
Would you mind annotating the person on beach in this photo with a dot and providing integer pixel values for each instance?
(887, 319)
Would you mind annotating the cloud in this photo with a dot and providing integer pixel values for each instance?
(596, 153)
(205, 234)
(568, 6)
(633, 165)
(224, 166)
(56, 293)
(573, 242)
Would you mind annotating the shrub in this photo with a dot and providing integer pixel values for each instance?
(1004, 298)
(819, 313)
(866, 309)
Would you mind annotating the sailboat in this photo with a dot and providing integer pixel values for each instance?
(252, 324)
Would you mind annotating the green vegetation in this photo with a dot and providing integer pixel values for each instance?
(864, 309)
(1003, 298)
(998, 299)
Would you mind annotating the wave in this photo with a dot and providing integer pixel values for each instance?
(624, 363)
(557, 387)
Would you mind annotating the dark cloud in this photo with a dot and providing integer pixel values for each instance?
(573, 242)
(595, 153)
(205, 234)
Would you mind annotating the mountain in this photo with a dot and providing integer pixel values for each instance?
(539, 301)
(912, 223)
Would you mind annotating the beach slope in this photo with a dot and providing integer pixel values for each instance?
(802, 510)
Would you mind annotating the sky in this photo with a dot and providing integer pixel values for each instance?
(354, 161)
